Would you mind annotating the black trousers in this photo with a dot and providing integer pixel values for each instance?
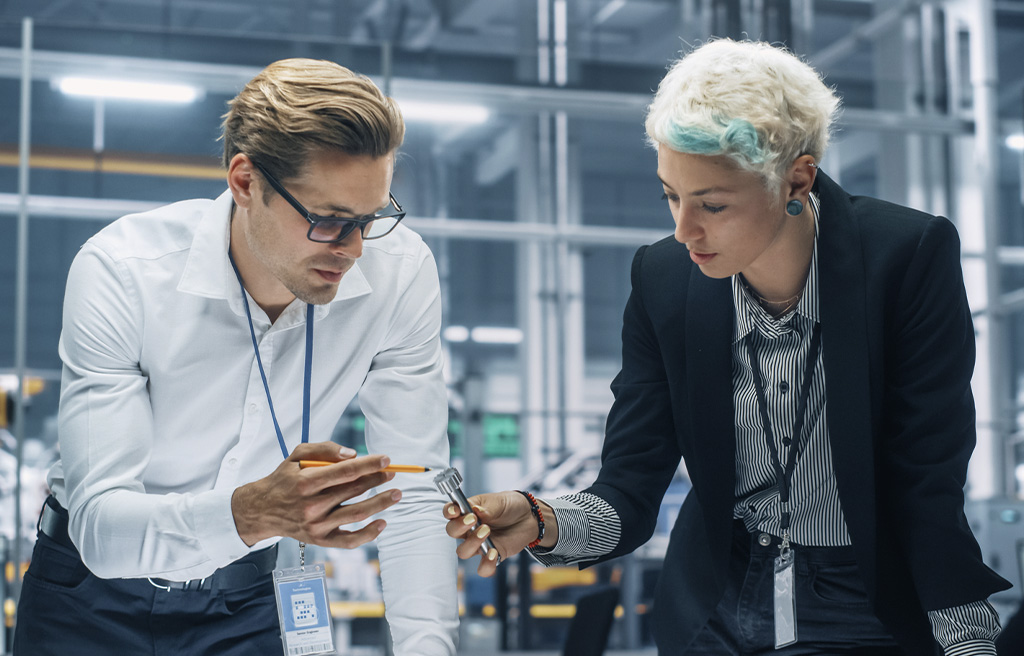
(65, 609)
(833, 614)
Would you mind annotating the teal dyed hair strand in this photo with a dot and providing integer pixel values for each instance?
(738, 138)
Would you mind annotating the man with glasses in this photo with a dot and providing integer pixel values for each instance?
(208, 347)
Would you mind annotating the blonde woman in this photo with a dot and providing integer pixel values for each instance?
(808, 354)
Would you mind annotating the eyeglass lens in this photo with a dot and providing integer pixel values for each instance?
(326, 231)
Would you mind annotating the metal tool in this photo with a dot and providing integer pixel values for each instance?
(450, 482)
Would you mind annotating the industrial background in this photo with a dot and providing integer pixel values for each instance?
(525, 169)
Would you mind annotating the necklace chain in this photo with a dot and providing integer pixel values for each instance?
(784, 306)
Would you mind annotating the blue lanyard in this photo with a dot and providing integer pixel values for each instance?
(306, 374)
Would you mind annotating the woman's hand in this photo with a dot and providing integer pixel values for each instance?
(506, 519)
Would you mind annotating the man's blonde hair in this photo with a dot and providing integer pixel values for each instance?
(298, 107)
(758, 104)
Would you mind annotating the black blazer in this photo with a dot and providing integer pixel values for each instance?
(898, 351)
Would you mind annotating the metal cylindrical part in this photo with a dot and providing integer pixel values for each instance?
(450, 482)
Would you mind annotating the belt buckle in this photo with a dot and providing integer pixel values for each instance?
(178, 585)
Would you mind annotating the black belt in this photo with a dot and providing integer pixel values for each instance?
(246, 571)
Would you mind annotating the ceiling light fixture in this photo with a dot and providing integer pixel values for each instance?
(1015, 141)
(456, 333)
(414, 110)
(495, 335)
(92, 87)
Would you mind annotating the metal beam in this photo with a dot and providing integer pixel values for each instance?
(96, 209)
(877, 26)
(228, 79)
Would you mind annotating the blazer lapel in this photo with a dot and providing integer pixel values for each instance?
(845, 355)
(709, 328)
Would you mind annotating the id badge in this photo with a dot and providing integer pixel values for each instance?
(303, 611)
(785, 599)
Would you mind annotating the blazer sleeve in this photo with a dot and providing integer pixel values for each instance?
(930, 424)
(641, 452)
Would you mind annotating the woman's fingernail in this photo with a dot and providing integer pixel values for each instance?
(396, 495)
(484, 531)
(469, 520)
(492, 554)
(347, 452)
(452, 511)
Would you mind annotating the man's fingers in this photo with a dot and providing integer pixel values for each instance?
(335, 495)
(343, 539)
(353, 513)
(347, 471)
(323, 451)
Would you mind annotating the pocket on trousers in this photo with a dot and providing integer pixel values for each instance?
(57, 570)
(838, 584)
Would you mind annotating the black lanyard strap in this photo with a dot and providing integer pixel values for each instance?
(785, 476)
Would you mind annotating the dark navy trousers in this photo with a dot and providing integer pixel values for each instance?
(833, 613)
(65, 609)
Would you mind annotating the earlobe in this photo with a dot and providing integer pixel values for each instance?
(239, 180)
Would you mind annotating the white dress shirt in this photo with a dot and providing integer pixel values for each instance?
(163, 413)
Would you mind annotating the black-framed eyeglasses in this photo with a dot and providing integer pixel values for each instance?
(331, 229)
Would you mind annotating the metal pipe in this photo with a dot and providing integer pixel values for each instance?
(385, 67)
(823, 59)
(984, 84)
(21, 279)
(562, 275)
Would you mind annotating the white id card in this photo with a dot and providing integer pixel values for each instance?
(785, 600)
(303, 611)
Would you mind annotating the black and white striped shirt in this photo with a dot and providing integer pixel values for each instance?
(589, 527)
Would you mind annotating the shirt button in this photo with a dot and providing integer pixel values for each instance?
(787, 441)
(252, 408)
(764, 539)
(232, 462)
(783, 386)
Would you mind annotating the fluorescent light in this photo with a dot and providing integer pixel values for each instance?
(494, 335)
(608, 11)
(414, 110)
(456, 333)
(1015, 141)
(94, 87)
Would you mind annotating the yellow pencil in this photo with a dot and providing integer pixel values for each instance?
(404, 469)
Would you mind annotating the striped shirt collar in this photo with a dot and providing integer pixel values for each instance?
(749, 314)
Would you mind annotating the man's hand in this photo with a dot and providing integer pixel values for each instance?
(307, 504)
(504, 517)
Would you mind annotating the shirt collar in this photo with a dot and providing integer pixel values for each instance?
(208, 271)
(749, 313)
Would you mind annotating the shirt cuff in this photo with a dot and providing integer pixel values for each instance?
(215, 527)
(966, 629)
(588, 527)
(972, 648)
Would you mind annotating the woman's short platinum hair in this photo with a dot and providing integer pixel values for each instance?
(757, 104)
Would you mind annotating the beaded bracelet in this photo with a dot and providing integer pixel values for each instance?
(535, 509)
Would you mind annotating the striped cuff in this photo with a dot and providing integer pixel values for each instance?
(588, 527)
(972, 648)
(968, 629)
